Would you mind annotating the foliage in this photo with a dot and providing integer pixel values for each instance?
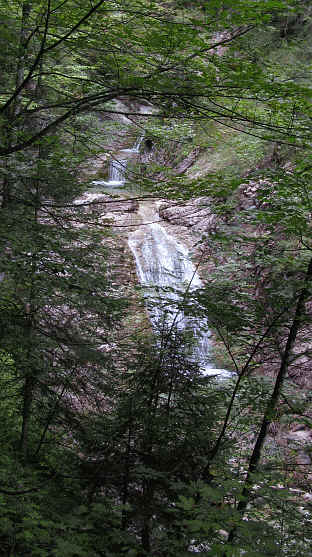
(126, 449)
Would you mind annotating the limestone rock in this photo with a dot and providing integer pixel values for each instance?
(301, 436)
(195, 213)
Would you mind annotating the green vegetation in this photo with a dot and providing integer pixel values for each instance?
(113, 442)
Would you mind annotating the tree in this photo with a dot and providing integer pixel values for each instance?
(163, 43)
(259, 303)
(155, 452)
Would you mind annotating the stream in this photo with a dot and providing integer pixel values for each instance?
(166, 272)
(165, 269)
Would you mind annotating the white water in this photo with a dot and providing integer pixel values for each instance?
(118, 167)
(166, 271)
(116, 177)
(164, 267)
(117, 170)
(136, 146)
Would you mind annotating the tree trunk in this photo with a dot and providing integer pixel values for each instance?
(11, 113)
(26, 412)
(22, 52)
(272, 404)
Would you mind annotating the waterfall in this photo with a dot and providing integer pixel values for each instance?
(117, 167)
(167, 274)
(136, 146)
(117, 170)
(166, 271)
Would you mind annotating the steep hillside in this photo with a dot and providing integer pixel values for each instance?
(155, 270)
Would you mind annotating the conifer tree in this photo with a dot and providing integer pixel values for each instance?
(108, 452)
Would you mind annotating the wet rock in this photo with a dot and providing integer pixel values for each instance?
(125, 206)
(107, 204)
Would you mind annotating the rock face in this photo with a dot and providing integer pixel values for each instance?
(97, 166)
(302, 436)
(126, 206)
(184, 165)
(108, 204)
(300, 443)
(195, 214)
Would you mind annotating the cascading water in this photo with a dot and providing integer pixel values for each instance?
(116, 174)
(167, 273)
(136, 146)
(117, 170)
(165, 269)
(118, 167)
